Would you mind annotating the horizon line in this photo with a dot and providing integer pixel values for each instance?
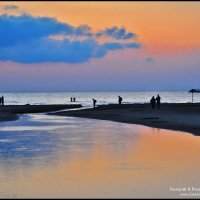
(95, 91)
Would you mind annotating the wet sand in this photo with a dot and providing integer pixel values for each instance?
(172, 116)
(10, 112)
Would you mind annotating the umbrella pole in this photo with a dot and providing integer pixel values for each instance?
(192, 97)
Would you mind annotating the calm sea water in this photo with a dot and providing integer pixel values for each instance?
(65, 157)
(85, 98)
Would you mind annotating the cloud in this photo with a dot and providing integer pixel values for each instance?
(27, 39)
(150, 59)
(116, 45)
(20, 29)
(48, 50)
(10, 7)
(117, 33)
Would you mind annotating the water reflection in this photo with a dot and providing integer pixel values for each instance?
(36, 136)
(49, 156)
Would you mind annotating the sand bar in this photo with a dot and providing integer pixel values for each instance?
(173, 116)
(10, 112)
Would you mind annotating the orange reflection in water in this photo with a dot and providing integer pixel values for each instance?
(145, 167)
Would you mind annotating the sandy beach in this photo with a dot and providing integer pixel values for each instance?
(173, 116)
(10, 112)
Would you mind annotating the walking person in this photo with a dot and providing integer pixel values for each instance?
(2, 100)
(153, 102)
(94, 102)
(120, 100)
(158, 101)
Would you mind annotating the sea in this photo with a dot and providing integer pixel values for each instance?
(85, 98)
(46, 156)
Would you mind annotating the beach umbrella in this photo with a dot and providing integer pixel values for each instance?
(193, 91)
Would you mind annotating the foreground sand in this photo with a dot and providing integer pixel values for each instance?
(180, 116)
(10, 112)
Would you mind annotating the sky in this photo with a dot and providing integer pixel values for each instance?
(99, 46)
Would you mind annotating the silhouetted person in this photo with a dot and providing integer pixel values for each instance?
(74, 99)
(0, 100)
(120, 100)
(158, 101)
(71, 99)
(153, 102)
(94, 102)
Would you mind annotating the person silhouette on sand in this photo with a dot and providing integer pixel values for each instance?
(74, 99)
(71, 99)
(94, 102)
(0, 100)
(153, 102)
(120, 100)
(158, 101)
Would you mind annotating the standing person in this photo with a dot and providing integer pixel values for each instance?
(2, 100)
(94, 102)
(120, 100)
(74, 99)
(158, 101)
(153, 102)
(71, 99)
